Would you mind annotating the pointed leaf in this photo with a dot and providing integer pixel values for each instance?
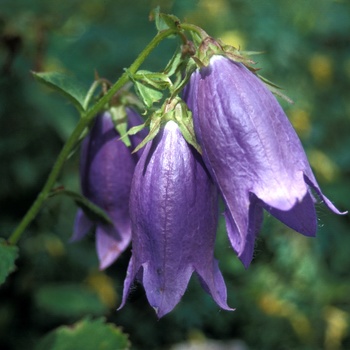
(86, 334)
(183, 118)
(159, 81)
(66, 85)
(94, 212)
(8, 255)
(156, 120)
(147, 94)
(174, 63)
(164, 21)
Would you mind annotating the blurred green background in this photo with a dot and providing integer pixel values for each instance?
(296, 294)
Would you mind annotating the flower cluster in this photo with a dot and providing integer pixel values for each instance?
(251, 157)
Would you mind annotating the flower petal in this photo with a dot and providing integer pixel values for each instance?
(109, 244)
(250, 147)
(106, 170)
(301, 218)
(82, 226)
(173, 207)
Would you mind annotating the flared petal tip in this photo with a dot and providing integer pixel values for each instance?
(162, 311)
(109, 245)
(213, 283)
(246, 257)
(313, 184)
(82, 226)
(107, 261)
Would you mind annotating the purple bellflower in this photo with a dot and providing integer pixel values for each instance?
(174, 212)
(252, 152)
(106, 170)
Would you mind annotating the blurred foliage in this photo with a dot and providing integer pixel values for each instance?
(8, 255)
(296, 294)
(87, 335)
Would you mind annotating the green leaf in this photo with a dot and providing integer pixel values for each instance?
(159, 81)
(94, 212)
(8, 255)
(66, 85)
(148, 85)
(86, 334)
(164, 21)
(174, 63)
(69, 300)
(147, 94)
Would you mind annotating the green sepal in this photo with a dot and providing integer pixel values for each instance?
(92, 211)
(164, 21)
(275, 89)
(87, 334)
(183, 118)
(135, 129)
(155, 122)
(207, 49)
(238, 56)
(173, 109)
(8, 255)
(183, 78)
(120, 120)
(210, 47)
(174, 64)
(66, 85)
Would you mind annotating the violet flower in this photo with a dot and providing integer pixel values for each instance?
(252, 152)
(173, 209)
(106, 170)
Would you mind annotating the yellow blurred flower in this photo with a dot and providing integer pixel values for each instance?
(104, 287)
(324, 167)
(214, 8)
(274, 306)
(321, 68)
(301, 121)
(233, 38)
(54, 246)
(337, 327)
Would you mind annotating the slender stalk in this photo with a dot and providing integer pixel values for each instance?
(194, 29)
(82, 124)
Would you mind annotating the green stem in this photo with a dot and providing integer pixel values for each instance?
(82, 124)
(194, 29)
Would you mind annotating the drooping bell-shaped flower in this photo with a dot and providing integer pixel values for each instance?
(173, 208)
(252, 152)
(106, 170)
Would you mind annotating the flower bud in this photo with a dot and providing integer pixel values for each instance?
(106, 170)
